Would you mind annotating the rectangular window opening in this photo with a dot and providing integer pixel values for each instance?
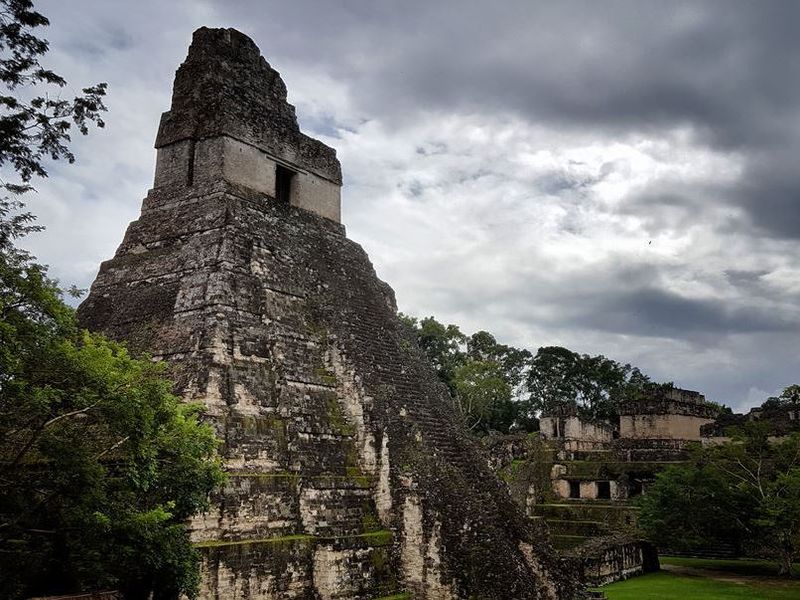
(283, 183)
(574, 489)
(604, 490)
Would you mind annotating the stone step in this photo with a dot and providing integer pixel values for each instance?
(607, 514)
(575, 527)
(346, 567)
(567, 542)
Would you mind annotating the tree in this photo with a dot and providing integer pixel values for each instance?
(100, 464)
(692, 506)
(595, 384)
(480, 391)
(788, 397)
(35, 125)
(484, 377)
(505, 413)
(444, 345)
(743, 492)
(791, 394)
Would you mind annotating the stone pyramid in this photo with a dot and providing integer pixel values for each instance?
(349, 476)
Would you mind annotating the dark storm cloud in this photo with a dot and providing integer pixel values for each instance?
(660, 313)
(770, 192)
(631, 299)
(729, 68)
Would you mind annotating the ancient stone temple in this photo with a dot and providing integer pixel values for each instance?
(348, 475)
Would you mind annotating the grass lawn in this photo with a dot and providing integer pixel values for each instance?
(742, 566)
(759, 582)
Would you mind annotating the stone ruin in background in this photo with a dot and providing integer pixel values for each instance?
(349, 476)
(582, 477)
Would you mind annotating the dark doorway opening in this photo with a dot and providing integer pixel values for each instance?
(574, 489)
(283, 183)
(604, 490)
(636, 488)
(190, 171)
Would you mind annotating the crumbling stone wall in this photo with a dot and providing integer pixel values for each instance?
(669, 414)
(349, 474)
(616, 557)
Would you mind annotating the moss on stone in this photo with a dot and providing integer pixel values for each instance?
(369, 522)
(285, 539)
(511, 472)
(379, 558)
(591, 469)
(352, 461)
(376, 538)
(336, 418)
(327, 377)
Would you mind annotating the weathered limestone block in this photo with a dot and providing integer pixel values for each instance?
(350, 475)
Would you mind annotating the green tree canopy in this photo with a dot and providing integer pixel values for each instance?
(100, 465)
(496, 387)
(595, 384)
(483, 376)
(745, 493)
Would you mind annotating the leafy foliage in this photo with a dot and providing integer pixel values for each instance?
(788, 397)
(484, 377)
(744, 492)
(496, 387)
(35, 124)
(595, 384)
(100, 465)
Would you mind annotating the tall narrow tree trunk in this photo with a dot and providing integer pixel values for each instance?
(787, 560)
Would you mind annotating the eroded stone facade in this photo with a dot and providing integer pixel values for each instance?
(580, 477)
(349, 476)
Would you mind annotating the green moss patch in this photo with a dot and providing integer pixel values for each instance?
(285, 539)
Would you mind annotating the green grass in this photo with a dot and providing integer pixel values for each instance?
(667, 586)
(742, 566)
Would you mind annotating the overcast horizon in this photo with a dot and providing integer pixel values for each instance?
(617, 178)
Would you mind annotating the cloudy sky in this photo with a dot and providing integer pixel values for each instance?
(615, 177)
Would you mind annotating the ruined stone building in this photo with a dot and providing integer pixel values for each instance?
(349, 476)
(781, 418)
(580, 477)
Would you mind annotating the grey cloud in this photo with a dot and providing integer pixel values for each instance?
(660, 313)
(725, 71)
(770, 192)
(729, 68)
